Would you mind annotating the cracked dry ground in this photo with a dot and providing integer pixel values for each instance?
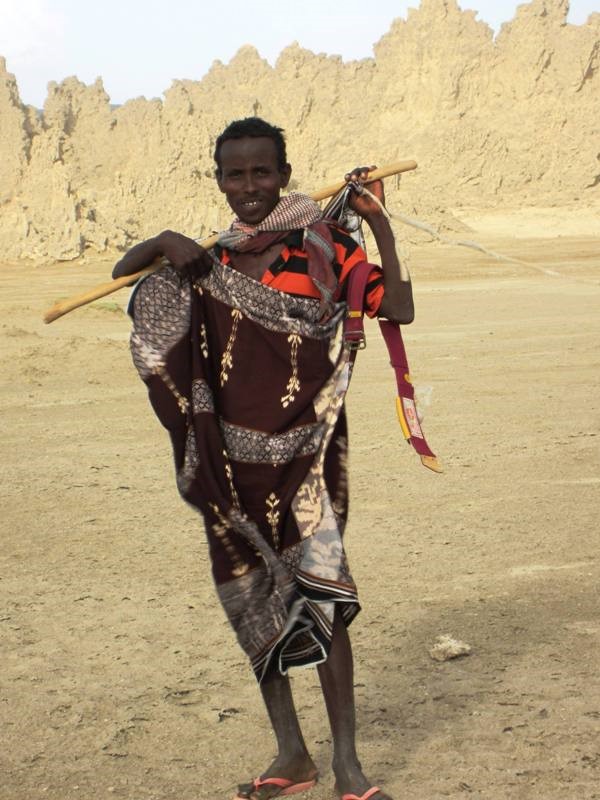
(120, 677)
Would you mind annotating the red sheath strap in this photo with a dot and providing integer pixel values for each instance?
(354, 337)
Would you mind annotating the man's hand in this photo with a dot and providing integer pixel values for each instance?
(364, 205)
(184, 253)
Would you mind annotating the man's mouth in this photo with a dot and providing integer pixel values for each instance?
(250, 203)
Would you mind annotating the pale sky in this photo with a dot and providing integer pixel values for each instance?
(139, 46)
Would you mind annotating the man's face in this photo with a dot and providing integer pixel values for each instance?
(250, 177)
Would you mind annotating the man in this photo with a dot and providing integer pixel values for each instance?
(237, 349)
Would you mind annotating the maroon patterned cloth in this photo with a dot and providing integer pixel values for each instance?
(250, 384)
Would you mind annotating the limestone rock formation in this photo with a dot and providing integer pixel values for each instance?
(515, 119)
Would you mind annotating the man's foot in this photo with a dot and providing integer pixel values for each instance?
(353, 782)
(299, 770)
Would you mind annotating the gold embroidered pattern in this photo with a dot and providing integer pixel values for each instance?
(272, 517)
(229, 473)
(220, 529)
(293, 385)
(182, 401)
(203, 340)
(227, 357)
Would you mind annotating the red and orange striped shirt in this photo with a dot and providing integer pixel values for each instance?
(289, 272)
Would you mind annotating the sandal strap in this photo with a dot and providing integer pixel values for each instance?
(283, 783)
(365, 796)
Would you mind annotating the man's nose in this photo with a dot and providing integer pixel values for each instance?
(249, 183)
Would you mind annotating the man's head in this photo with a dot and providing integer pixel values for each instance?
(252, 167)
(253, 128)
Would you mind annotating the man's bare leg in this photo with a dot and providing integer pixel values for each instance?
(337, 681)
(293, 760)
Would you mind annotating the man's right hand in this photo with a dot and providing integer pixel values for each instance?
(181, 251)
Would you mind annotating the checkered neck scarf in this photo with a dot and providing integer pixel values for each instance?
(293, 212)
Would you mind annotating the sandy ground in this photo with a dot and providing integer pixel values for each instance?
(120, 677)
(535, 223)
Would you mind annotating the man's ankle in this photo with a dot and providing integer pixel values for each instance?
(294, 754)
(346, 762)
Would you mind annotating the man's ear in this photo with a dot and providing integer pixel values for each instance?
(218, 176)
(286, 174)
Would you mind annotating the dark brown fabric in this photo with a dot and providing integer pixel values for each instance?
(242, 377)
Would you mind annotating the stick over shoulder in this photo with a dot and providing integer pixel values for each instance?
(71, 303)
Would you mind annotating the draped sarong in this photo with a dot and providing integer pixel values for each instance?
(251, 386)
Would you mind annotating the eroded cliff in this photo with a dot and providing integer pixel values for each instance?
(515, 119)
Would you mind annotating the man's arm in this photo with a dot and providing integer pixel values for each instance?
(397, 303)
(182, 252)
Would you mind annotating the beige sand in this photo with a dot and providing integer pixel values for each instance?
(120, 676)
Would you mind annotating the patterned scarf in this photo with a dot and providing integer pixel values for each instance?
(293, 212)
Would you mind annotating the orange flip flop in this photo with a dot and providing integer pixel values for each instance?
(365, 796)
(287, 787)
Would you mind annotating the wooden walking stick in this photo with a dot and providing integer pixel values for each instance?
(71, 303)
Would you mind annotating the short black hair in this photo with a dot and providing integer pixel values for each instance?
(255, 128)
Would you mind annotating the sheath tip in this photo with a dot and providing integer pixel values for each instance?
(432, 462)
